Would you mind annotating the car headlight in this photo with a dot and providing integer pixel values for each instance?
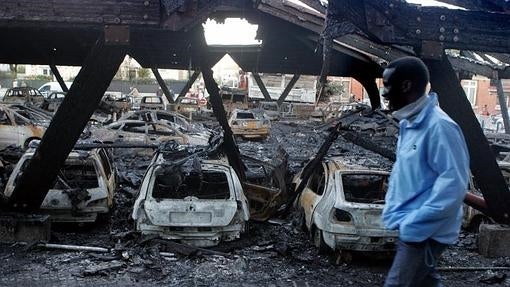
(342, 215)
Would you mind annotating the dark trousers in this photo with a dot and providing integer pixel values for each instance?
(414, 264)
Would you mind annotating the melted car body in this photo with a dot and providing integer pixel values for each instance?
(141, 132)
(84, 187)
(200, 203)
(23, 95)
(249, 124)
(342, 206)
(152, 103)
(19, 126)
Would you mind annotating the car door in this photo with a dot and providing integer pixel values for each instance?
(133, 133)
(312, 193)
(159, 133)
(109, 173)
(9, 133)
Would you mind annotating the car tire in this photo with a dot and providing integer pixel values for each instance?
(318, 241)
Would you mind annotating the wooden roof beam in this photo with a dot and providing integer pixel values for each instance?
(395, 22)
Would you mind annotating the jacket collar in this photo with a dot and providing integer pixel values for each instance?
(418, 119)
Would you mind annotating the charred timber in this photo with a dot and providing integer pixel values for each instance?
(79, 12)
(205, 62)
(189, 83)
(484, 167)
(60, 81)
(169, 96)
(68, 123)
(397, 22)
(262, 87)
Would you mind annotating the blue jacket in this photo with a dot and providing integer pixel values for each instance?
(429, 179)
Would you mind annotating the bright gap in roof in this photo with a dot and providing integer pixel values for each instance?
(433, 3)
(234, 31)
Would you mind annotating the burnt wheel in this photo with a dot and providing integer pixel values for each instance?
(318, 241)
(343, 256)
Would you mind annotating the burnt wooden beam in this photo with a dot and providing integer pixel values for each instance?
(503, 105)
(480, 5)
(68, 123)
(315, 4)
(505, 58)
(189, 83)
(370, 86)
(397, 22)
(162, 84)
(206, 62)
(57, 75)
(287, 89)
(484, 167)
(76, 12)
(461, 64)
(261, 85)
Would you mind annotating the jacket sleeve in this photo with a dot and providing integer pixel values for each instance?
(447, 155)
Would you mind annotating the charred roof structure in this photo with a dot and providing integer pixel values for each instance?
(353, 38)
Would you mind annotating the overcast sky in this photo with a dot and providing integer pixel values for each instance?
(238, 31)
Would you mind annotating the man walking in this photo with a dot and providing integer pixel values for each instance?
(429, 179)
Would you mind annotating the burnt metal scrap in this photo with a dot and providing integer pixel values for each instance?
(266, 185)
(323, 150)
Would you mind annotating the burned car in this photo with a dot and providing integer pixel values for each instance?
(331, 110)
(175, 119)
(141, 132)
(271, 110)
(199, 202)
(341, 207)
(112, 104)
(152, 103)
(84, 187)
(249, 124)
(53, 101)
(17, 129)
(23, 95)
(187, 106)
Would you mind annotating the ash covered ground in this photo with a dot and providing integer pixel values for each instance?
(276, 253)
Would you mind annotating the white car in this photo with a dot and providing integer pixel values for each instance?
(16, 129)
(171, 118)
(84, 187)
(342, 206)
(141, 132)
(271, 110)
(50, 87)
(200, 203)
(249, 124)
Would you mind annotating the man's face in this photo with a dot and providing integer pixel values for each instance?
(392, 90)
